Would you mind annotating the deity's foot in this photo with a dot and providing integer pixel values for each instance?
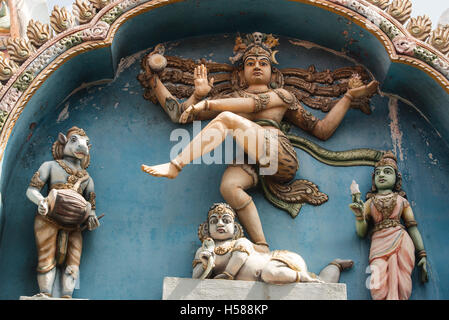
(167, 170)
(344, 264)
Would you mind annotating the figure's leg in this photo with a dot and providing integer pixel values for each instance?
(236, 261)
(46, 237)
(331, 273)
(277, 272)
(71, 272)
(46, 281)
(249, 135)
(379, 279)
(233, 185)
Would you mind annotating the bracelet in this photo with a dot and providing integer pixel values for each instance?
(411, 223)
(197, 97)
(206, 105)
(349, 96)
(230, 276)
(421, 253)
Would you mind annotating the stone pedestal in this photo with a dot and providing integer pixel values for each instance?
(40, 296)
(210, 289)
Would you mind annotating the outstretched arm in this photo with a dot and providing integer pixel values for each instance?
(170, 104)
(325, 128)
(251, 104)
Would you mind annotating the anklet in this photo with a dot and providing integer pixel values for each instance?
(337, 265)
(177, 165)
(230, 276)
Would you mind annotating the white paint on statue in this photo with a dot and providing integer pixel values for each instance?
(31, 9)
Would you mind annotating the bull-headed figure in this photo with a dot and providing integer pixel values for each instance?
(70, 204)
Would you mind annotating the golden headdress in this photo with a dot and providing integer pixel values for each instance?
(221, 208)
(388, 159)
(255, 44)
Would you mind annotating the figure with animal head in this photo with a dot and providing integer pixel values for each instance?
(226, 254)
(69, 204)
(393, 245)
(253, 111)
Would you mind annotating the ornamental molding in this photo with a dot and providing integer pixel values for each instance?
(93, 24)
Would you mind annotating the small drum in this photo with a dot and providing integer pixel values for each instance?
(157, 62)
(67, 207)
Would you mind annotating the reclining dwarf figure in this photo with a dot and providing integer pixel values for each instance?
(60, 215)
(226, 254)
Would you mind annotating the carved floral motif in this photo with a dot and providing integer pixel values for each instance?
(83, 11)
(439, 39)
(420, 27)
(7, 68)
(19, 49)
(404, 45)
(38, 33)
(400, 10)
(97, 32)
(60, 19)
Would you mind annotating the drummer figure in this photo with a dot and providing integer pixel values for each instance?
(69, 204)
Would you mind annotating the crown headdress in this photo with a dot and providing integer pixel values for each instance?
(388, 159)
(221, 208)
(254, 44)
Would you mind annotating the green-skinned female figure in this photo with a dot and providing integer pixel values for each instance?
(393, 246)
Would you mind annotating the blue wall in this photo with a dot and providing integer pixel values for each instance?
(150, 227)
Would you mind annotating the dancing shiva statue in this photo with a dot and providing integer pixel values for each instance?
(67, 210)
(250, 101)
(393, 245)
(226, 254)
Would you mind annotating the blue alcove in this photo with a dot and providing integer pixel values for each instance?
(150, 224)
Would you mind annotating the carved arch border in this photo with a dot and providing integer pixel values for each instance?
(98, 33)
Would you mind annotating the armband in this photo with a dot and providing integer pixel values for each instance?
(261, 101)
(421, 253)
(411, 223)
(36, 182)
(92, 197)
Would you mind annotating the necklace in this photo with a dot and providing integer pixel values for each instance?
(256, 91)
(385, 203)
(225, 248)
(74, 175)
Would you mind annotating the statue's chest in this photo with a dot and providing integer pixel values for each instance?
(64, 177)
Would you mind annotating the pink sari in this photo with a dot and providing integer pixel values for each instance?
(392, 257)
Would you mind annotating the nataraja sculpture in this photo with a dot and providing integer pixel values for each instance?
(253, 104)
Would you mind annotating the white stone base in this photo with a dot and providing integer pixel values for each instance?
(210, 289)
(41, 296)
